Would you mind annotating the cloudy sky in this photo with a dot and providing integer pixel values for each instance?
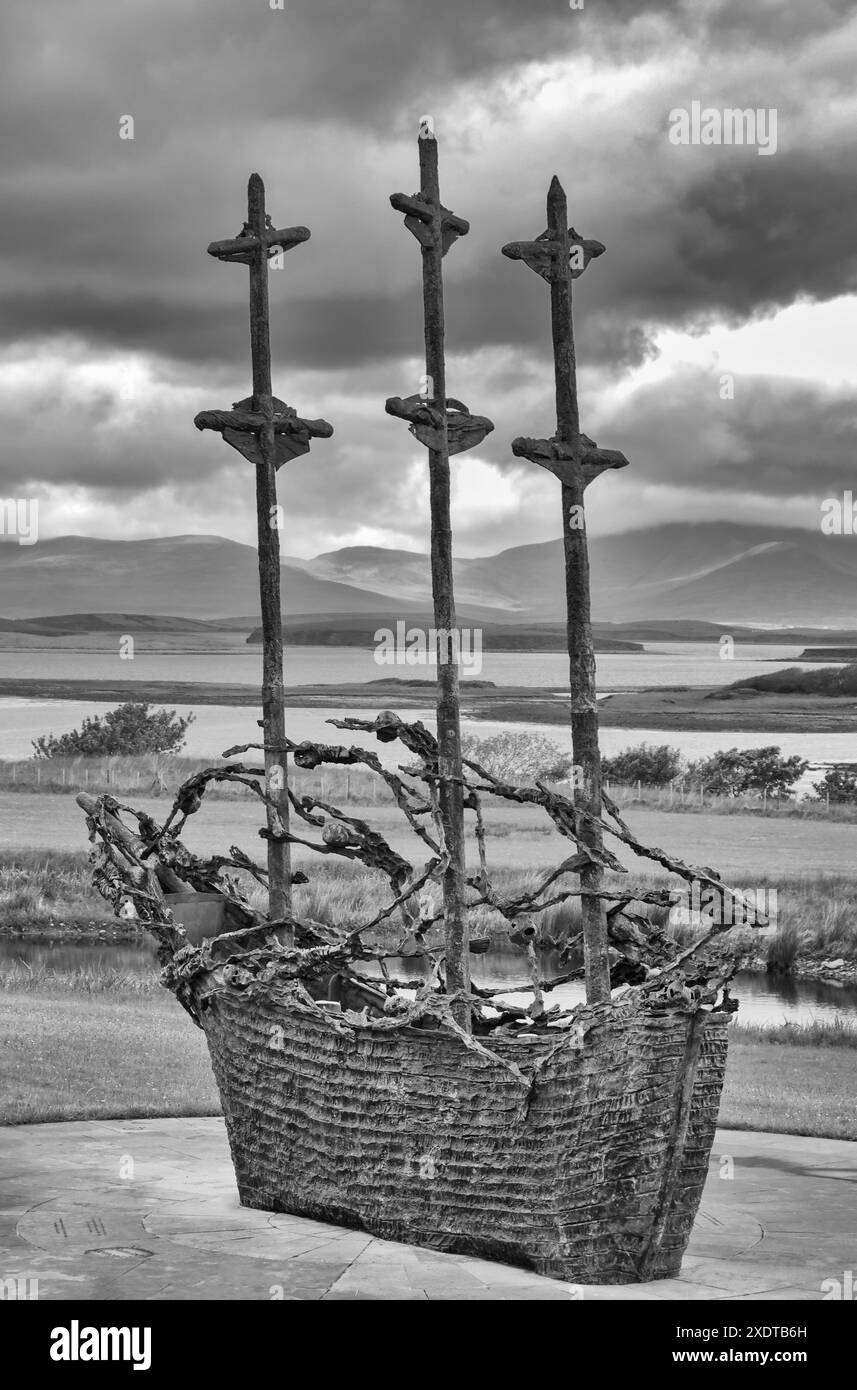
(117, 327)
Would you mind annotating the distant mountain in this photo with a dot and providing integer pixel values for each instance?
(187, 576)
(793, 580)
(404, 572)
(716, 572)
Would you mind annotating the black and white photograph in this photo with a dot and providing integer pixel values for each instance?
(428, 670)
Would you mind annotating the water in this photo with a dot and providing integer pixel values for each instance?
(97, 658)
(765, 1001)
(221, 726)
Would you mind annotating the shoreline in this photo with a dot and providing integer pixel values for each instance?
(674, 709)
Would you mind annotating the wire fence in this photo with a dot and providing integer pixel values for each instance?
(159, 775)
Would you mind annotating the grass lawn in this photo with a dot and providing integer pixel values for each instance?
(75, 1057)
(72, 1056)
(747, 849)
(791, 1089)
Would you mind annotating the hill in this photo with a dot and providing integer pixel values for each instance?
(713, 573)
(177, 576)
(721, 572)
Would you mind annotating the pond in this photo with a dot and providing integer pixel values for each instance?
(764, 1001)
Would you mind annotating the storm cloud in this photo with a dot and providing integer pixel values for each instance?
(115, 327)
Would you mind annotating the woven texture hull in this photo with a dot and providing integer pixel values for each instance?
(584, 1160)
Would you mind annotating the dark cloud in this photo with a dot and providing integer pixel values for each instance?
(103, 240)
(737, 22)
(764, 237)
(776, 437)
(224, 63)
(316, 95)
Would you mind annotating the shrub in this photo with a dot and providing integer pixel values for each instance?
(130, 728)
(518, 756)
(734, 771)
(839, 785)
(653, 764)
(825, 680)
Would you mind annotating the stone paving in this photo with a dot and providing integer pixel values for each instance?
(147, 1209)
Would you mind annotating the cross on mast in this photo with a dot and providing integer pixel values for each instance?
(559, 256)
(444, 426)
(268, 433)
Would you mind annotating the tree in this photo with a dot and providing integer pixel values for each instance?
(733, 771)
(839, 785)
(130, 728)
(518, 756)
(653, 764)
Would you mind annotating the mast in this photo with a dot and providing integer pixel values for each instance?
(268, 433)
(445, 427)
(559, 255)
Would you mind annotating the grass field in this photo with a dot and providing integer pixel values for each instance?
(747, 849)
(78, 1054)
(749, 845)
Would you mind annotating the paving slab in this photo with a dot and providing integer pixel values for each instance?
(147, 1209)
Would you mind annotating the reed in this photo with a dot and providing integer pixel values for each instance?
(816, 1033)
(21, 978)
(783, 950)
